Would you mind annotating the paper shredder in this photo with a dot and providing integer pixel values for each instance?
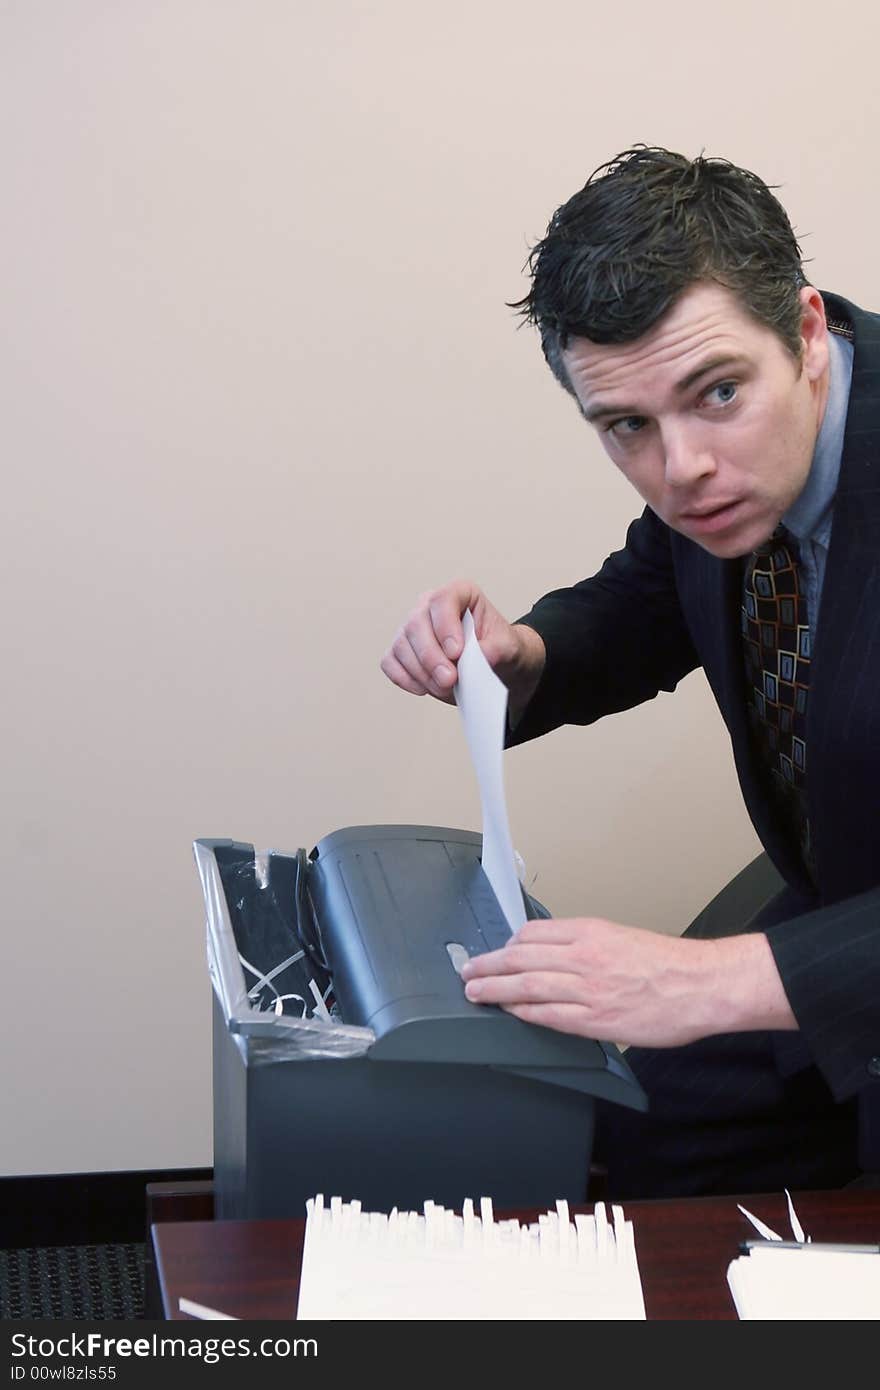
(347, 1060)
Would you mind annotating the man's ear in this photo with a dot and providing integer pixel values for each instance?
(814, 334)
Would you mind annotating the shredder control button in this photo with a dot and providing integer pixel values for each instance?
(458, 954)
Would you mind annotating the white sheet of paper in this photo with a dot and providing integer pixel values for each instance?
(373, 1266)
(482, 701)
(805, 1285)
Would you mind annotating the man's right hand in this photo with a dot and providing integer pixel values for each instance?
(423, 658)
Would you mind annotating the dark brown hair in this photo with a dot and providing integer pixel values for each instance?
(646, 226)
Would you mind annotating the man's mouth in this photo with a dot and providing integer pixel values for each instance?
(714, 518)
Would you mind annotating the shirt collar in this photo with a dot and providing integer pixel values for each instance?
(809, 516)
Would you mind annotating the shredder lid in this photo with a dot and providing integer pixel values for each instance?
(395, 906)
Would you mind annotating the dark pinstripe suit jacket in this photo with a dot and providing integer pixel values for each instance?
(663, 606)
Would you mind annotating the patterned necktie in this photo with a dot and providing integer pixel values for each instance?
(776, 639)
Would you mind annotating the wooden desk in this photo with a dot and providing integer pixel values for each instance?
(251, 1268)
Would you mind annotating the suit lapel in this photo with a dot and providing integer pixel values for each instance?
(843, 722)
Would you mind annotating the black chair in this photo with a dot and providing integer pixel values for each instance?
(739, 901)
(731, 911)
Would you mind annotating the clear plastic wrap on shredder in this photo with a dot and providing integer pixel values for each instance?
(277, 1001)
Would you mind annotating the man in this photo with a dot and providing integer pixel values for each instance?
(744, 407)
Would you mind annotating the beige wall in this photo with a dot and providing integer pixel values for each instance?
(260, 388)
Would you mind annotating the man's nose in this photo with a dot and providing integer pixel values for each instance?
(686, 460)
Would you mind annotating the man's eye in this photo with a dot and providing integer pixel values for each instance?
(630, 424)
(723, 393)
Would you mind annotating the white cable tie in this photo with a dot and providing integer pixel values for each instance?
(261, 867)
(430, 1225)
(619, 1230)
(759, 1225)
(601, 1229)
(468, 1223)
(199, 1310)
(270, 974)
(796, 1227)
(562, 1215)
(252, 968)
(279, 1003)
(320, 1007)
(487, 1217)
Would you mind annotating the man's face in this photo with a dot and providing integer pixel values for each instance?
(708, 414)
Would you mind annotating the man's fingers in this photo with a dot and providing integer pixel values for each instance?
(401, 657)
(398, 674)
(547, 952)
(445, 608)
(530, 987)
(403, 653)
(423, 659)
(420, 639)
(435, 632)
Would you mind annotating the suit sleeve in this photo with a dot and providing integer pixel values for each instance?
(829, 964)
(612, 641)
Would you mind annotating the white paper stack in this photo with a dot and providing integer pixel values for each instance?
(808, 1283)
(436, 1264)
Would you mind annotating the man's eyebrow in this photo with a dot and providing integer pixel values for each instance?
(602, 410)
(713, 364)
